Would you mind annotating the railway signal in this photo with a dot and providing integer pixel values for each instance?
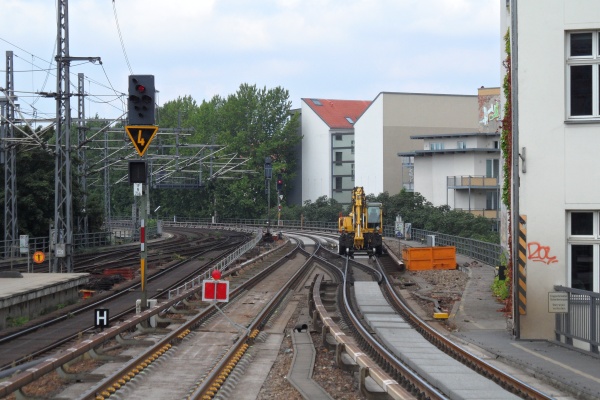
(140, 103)
(279, 182)
(138, 171)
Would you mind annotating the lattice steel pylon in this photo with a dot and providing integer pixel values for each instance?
(10, 163)
(63, 196)
(82, 220)
(63, 205)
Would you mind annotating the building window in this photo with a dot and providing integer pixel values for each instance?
(338, 158)
(338, 137)
(491, 200)
(584, 250)
(461, 145)
(496, 144)
(583, 75)
(338, 183)
(352, 171)
(352, 144)
(436, 146)
(492, 168)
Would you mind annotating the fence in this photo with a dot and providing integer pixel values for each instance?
(221, 265)
(581, 322)
(81, 241)
(124, 231)
(487, 253)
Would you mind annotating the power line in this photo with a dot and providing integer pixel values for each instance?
(121, 37)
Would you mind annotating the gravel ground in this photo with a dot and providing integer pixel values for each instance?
(339, 384)
(445, 286)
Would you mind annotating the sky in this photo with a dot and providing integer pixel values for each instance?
(332, 49)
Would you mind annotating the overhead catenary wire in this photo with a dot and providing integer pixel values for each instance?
(121, 37)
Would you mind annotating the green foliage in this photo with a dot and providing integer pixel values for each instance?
(323, 209)
(506, 135)
(35, 191)
(252, 123)
(13, 322)
(414, 208)
(501, 288)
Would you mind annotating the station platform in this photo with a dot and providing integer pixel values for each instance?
(32, 295)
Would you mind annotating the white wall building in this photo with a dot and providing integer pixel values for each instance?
(386, 126)
(556, 116)
(462, 170)
(459, 170)
(328, 147)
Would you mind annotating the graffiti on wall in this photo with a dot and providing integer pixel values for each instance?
(539, 253)
(491, 113)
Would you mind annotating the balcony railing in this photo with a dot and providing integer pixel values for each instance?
(472, 181)
(492, 214)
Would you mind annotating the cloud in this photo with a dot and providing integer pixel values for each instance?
(329, 48)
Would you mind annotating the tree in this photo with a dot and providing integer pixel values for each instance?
(252, 123)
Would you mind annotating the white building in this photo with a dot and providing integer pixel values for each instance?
(328, 147)
(459, 170)
(462, 170)
(355, 143)
(556, 132)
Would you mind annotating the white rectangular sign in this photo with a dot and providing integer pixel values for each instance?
(558, 302)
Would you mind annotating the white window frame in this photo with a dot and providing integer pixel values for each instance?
(593, 240)
(594, 61)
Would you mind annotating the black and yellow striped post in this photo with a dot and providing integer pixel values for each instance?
(521, 295)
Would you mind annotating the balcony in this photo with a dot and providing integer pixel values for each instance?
(491, 214)
(472, 182)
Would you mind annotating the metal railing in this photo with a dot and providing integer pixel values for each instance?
(81, 241)
(487, 253)
(582, 320)
(223, 263)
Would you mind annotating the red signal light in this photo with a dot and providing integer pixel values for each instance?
(140, 88)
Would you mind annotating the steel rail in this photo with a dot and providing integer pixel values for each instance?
(50, 364)
(507, 381)
(211, 384)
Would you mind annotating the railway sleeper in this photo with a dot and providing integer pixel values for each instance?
(370, 388)
(98, 354)
(132, 342)
(140, 328)
(165, 320)
(182, 311)
(78, 376)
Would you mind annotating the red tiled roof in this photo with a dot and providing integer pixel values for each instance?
(334, 112)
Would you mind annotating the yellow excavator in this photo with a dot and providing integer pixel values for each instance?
(360, 230)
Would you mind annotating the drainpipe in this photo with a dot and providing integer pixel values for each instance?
(514, 54)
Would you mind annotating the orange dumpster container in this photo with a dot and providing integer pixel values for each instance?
(426, 258)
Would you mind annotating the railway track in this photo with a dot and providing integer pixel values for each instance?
(204, 332)
(43, 336)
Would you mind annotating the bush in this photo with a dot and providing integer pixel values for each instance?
(17, 321)
(500, 288)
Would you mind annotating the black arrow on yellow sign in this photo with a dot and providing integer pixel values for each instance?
(141, 136)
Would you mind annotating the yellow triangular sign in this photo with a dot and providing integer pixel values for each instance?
(141, 136)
